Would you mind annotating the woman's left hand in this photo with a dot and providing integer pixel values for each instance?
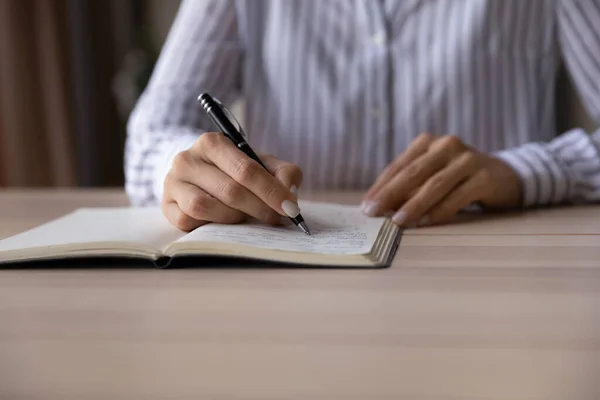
(435, 178)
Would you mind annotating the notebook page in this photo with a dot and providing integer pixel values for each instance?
(335, 229)
(92, 225)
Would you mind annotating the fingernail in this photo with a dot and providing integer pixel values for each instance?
(399, 217)
(290, 208)
(424, 221)
(370, 208)
(294, 190)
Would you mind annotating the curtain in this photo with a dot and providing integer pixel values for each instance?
(36, 134)
(100, 133)
(62, 117)
(2, 178)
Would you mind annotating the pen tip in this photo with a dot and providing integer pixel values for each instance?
(304, 228)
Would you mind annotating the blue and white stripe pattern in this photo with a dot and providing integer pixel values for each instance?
(341, 87)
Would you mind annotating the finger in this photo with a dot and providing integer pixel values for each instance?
(223, 188)
(288, 174)
(178, 218)
(249, 174)
(463, 196)
(397, 191)
(438, 187)
(417, 148)
(200, 205)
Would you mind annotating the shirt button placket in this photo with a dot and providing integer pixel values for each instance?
(379, 80)
(381, 110)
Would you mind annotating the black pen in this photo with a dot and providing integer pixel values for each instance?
(226, 123)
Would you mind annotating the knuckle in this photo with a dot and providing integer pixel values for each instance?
(208, 140)
(164, 206)
(169, 186)
(295, 169)
(170, 179)
(387, 170)
(425, 137)
(289, 170)
(231, 192)
(413, 171)
(297, 172)
(198, 206)
(451, 142)
(468, 158)
(281, 168)
(181, 162)
(273, 194)
(245, 170)
(300, 178)
(183, 221)
(436, 183)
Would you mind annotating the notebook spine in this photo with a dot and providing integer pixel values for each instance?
(163, 262)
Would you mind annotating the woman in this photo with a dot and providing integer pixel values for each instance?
(453, 101)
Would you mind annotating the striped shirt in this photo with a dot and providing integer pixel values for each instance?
(341, 87)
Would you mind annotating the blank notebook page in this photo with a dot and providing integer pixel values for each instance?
(133, 225)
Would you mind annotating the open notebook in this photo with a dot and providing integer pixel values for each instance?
(341, 236)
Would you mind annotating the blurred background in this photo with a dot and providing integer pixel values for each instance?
(70, 74)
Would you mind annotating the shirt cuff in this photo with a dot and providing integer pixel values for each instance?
(549, 172)
(166, 154)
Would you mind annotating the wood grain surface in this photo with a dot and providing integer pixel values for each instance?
(494, 307)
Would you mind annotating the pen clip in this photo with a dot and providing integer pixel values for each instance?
(232, 118)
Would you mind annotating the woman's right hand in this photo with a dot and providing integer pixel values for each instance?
(214, 181)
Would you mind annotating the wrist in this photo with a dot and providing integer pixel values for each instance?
(505, 186)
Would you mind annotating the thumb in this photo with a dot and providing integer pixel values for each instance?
(287, 173)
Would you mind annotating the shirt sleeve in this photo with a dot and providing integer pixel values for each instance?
(202, 53)
(568, 168)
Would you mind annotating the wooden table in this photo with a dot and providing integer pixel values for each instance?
(504, 307)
